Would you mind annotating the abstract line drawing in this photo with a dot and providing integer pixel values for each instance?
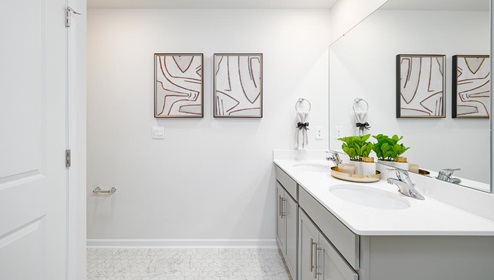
(178, 85)
(471, 86)
(420, 86)
(238, 85)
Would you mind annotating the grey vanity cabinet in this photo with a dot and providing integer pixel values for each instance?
(280, 217)
(333, 265)
(309, 238)
(319, 260)
(291, 211)
(329, 250)
(287, 220)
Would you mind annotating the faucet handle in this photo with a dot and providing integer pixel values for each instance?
(445, 175)
(402, 175)
(334, 157)
(448, 172)
(399, 172)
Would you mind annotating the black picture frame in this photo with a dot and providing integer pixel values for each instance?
(470, 87)
(420, 86)
(238, 85)
(178, 85)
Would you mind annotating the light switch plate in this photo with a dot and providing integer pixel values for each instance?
(338, 132)
(158, 132)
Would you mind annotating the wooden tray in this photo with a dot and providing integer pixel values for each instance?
(424, 172)
(355, 177)
(421, 172)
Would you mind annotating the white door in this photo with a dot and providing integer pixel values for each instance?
(33, 176)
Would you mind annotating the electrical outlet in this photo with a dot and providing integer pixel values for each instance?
(319, 134)
(338, 132)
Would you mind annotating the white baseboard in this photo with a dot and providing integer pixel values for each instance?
(181, 243)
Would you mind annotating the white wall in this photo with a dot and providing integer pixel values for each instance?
(362, 64)
(210, 178)
(346, 14)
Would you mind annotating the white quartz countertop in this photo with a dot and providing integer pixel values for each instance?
(427, 217)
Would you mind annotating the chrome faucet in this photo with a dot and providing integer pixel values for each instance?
(405, 185)
(334, 157)
(445, 175)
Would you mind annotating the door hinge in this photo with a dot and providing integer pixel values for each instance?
(68, 15)
(68, 158)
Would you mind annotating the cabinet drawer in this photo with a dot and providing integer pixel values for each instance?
(287, 182)
(345, 241)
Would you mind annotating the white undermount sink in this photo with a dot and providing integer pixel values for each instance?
(369, 197)
(312, 167)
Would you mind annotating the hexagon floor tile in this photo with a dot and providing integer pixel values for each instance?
(185, 264)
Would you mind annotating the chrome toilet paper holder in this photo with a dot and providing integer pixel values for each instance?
(98, 190)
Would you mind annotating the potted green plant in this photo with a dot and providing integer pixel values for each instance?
(387, 148)
(389, 151)
(359, 149)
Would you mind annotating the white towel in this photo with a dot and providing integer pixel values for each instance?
(360, 116)
(302, 138)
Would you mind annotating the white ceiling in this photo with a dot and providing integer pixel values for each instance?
(443, 5)
(212, 4)
(438, 5)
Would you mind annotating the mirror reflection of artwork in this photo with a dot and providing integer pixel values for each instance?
(420, 86)
(418, 27)
(471, 86)
(178, 85)
(238, 85)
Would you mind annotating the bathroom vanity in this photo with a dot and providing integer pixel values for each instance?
(331, 229)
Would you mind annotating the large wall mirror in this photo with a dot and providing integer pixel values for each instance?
(363, 65)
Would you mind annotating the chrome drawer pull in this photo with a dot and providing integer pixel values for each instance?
(312, 243)
(283, 207)
(280, 206)
(316, 272)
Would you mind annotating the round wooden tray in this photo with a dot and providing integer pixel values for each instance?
(355, 177)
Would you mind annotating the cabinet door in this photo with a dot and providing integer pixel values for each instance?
(281, 223)
(331, 265)
(308, 248)
(291, 217)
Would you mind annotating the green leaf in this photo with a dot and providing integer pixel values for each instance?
(385, 147)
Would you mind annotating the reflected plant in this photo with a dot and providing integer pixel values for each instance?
(387, 148)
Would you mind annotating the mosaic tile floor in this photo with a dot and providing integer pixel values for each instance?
(185, 264)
